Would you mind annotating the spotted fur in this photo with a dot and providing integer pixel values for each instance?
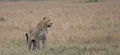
(37, 33)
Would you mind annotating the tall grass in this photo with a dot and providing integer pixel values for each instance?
(78, 29)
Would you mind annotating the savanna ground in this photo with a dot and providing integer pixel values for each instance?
(80, 28)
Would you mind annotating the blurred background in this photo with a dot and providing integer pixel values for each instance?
(80, 27)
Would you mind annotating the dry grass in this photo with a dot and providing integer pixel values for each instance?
(79, 28)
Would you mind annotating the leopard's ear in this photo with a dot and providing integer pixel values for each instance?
(44, 18)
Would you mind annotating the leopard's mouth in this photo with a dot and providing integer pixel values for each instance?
(50, 25)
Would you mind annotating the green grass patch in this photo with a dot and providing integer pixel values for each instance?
(93, 0)
(60, 50)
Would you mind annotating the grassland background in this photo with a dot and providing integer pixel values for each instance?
(80, 28)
